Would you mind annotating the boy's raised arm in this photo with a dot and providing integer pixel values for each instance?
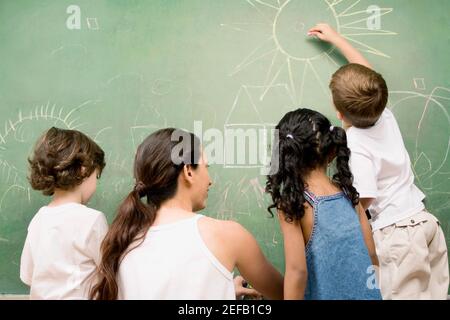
(326, 33)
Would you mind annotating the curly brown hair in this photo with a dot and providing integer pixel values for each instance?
(62, 159)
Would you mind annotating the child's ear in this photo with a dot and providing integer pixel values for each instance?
(332, 157)
(339, 116)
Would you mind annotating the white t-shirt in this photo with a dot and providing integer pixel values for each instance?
(381, 168)
(173, 263)
(62, 251)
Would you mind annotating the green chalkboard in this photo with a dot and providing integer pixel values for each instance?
(118, 70)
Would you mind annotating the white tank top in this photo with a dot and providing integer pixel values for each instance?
(173, 263)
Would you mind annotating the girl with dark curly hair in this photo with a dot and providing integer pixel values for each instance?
(329, 249)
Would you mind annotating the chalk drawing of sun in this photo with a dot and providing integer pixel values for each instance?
(288, 49)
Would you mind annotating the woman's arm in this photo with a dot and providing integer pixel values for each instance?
(253, 265)
(240, 286)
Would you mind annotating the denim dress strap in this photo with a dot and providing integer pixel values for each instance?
(310, 197)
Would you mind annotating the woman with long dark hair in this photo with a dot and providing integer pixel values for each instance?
(163, 249)
(327, 238)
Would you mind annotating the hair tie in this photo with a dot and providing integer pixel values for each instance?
(289, 136)
(331, 128)
(139, 187)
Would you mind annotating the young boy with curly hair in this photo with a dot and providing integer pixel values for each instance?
(62, 248)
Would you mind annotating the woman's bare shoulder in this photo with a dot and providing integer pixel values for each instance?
(226, 229)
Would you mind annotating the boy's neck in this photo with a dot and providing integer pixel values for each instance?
(61, 197)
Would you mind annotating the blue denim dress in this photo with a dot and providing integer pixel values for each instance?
(337, 258)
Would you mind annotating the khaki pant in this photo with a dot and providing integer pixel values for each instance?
(413, 259)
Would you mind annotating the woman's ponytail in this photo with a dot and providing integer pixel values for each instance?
(133, 218)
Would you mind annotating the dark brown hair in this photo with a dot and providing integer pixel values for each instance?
(156, 172)
(359, 94)
(307, 141)
(62, 159)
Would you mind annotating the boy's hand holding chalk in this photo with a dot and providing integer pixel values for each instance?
(324, 32)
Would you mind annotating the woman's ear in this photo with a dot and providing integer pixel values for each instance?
(187, 174)
(339, 116)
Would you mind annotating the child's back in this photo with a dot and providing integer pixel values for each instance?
(338, 262)
(61, 252)
(409, 240)
(62, 248)
(382, 170)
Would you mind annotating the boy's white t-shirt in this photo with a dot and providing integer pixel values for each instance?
(381, 168)
(62, 251)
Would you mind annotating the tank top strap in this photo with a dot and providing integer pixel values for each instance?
(197, 217)
(310, 197)
(212, 258)
(193, 224)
